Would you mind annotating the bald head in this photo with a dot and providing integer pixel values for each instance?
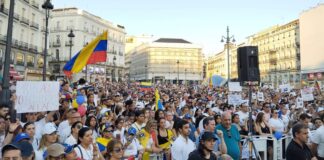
(226, 120)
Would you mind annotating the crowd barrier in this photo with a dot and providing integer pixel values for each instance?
(263, 142)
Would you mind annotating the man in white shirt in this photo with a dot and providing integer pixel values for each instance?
(64, 129)
(182, 146)
(243, 113)
(318, 141)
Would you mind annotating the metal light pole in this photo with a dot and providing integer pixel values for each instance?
(5, 94)
(228, 39)
(185, 77)
(145, 72)
(47, 6)
(178, 72)
(113, 74)
(71, 36)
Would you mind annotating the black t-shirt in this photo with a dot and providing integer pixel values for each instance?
(296, 152)
(195, 155)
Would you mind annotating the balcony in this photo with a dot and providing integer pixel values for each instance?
(20, 63)
(56, 44)
(33, 48)
(4, 10)
(43, 29)
(67, 44)
(3, 38)
(25, 46)
(16, 16)
(24, 21)
(35, 4)
(34, 25)
(30, 64)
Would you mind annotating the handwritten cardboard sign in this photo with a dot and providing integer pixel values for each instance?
(234, 87)
(260, 96)
(37, 96)
(307, 94)
(234, 99)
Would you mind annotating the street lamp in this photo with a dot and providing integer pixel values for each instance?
(145, 72)
(178, 71)
(113, 72)
(5, 93)
(47, 6)
(185, 76)
(228, 39)
(71, 36)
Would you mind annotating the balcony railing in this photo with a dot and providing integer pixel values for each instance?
(33, 48)
(3, 38)
(34, 25)
(26, 1)
(35, 4)
(20, 63)
(30, 64)
(56, 44)
(67, 44)
(16, 16)
(24, 20)
(4, 10)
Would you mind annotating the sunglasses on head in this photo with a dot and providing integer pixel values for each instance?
(78, 126)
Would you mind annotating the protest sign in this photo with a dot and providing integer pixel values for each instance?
(260, 96)
(234, 99)
(37, 96)
(234, 87)
(299, 102)
(254, 96)
(285, 88)
(307, 94)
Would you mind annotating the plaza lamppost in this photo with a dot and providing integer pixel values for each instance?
(228, 41)
(178, 72)
(47, 6)
(185, 82)
(145, 72)
(71, 36)
(5, 93)
(113, 72)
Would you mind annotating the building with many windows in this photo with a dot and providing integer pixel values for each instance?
(279, 53)
(27, 37)
(168, 60)
(85, 27)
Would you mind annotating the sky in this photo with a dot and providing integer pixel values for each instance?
(201, 22)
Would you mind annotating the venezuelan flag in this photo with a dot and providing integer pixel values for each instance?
(102, 143)
(158, 103)
(145, 86)
(93, 53)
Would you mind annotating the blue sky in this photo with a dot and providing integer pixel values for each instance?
(199, 21)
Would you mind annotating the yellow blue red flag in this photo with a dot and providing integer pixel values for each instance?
(158, 103)
(94, 52)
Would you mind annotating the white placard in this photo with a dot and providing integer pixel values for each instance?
(254, 96)
(234, 99)
(299, 102)
(260, 96)
(37, 96)
(285, 88)
(234, 87)
(307, 94)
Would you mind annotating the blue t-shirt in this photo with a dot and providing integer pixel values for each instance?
(232, 139)
(192, 132)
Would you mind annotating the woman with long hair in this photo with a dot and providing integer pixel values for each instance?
(261, 125)
(73, 138)
(86, 149)
(119, 129)
(90, 101)
(29, 128)
(165, 137)
(115, 150)
(49, 137)
(92, 123)
(148, 140)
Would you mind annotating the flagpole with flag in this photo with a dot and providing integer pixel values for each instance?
(94, 52)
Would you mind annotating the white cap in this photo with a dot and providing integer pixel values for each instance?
(49, 128)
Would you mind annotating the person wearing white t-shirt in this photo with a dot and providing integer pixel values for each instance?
(73, 138)
(318, 141)
(277, 125)
(64, 128)
(182, 146)
(86, 149)
(243, 113)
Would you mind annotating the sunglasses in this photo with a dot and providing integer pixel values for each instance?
(78, 126)
(229, 134)
(110, 131)
(118, 150)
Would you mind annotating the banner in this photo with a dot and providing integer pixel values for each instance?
(307, 94)
(37, 96)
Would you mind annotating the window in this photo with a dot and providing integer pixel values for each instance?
(57, 54)
(58, 39)
(30, 61)
(33, 17)
(20, 59)
(23, 11)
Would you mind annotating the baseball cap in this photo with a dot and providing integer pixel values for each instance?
(10, 146)
(132, 131)
(49, 128)
(68, 149)
(187, 116)
(21, 136)
(55, 150)
(26, 148)
(208, 136)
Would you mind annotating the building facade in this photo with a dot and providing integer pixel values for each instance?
(27, 37)
(85, 27)
(279, 53)
(168, 60)
(311, 46)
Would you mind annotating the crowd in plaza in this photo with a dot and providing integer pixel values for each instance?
(120, 120)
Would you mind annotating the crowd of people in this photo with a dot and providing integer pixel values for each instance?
(120, 120)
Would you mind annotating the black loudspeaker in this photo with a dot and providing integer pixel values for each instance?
(248, 65)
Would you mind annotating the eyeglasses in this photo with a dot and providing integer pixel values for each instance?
(229, 134)
(118, 150)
